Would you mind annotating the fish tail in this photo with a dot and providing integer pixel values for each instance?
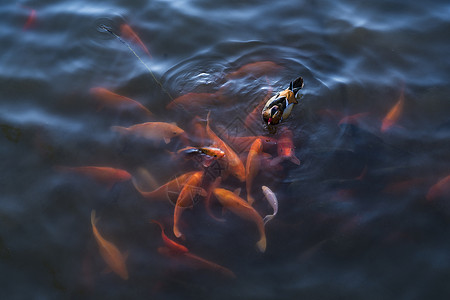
(261, 244)
(119, 129)
(267, 219)
(250, 199)
(93, 219)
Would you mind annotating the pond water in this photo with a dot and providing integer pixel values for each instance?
(354, 219)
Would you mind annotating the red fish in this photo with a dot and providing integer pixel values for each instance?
(104, 175)
(129, 34)
(439, 189)
(31, 20)
(113, 100)
(285, 148)
(172, 245)
(256, 69)
(394, 114)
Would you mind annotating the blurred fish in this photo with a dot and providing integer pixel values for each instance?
(186, 198)
(252, 167)
(154, 131)
(31, 20)
(353, 119)
(173, 186)
(103, 175)
(243, 143)
(212, 186)
(172, 245)
(394, 114)
(256, 69)
(128, 33)
(241, 208)
(439, 190)
(285, 148)
(109, 252)
(113, 100)
(273, 201)
(204, 263)
(204, 154)
(234, 162)
(189, 100)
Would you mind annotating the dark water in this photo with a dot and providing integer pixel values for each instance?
(335, 237)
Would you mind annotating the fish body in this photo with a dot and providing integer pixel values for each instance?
(439, 189)
(240, 207)
(109, 252)
(252, 166)
(235, 164)
(172, 245)
(113, 100)
(192, 99)
(273, 201)
(155, 131)
(279, 107)
(127, 32)
(394, 114)
(256, 69)
(103, 175)
(186, 199)
(31, 20)
(285, 148)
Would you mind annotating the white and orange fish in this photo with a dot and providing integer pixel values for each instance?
(252, 167)
(240, 207)
(128, 33)
(285, 148)
(155, 131)
(109, 252)
(106, 98)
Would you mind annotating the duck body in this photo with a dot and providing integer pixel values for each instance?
(279, 107)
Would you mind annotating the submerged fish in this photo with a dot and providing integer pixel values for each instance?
(273, 201)
(439, 189)
(113, 100)
(189, 100)
(31, 20)
(103, 175)
(235, 164)
(172, 245)
(252, 167)
(285, 148)
(394, 114)
(186, 198)
(241, 208)
(109, 252)
(257, 69)
(127, 32)
(155, 131)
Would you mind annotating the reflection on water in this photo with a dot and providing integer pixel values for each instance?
(365, 213)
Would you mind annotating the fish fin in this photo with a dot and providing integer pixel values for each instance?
(202, 192)
(167, 140)
(267, 219)
(250, 199)
(277, 160)
(237, 191)
(261, 244)
(119, 129)
(294, 160)
(93, 218)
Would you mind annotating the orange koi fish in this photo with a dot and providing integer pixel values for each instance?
(285, 148)
(394, 114)
(155, 131)
(240, 207)
(439, 189)
(103, 175)
(109, 252)
(214, 185)
(186, 198)
(206, 154)
(172, 245)
(31, 20)
(234, 162)
(173, 186)
(256, 69)
(129, 34)
(192, 99)
(113, 100)
(252, 167)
